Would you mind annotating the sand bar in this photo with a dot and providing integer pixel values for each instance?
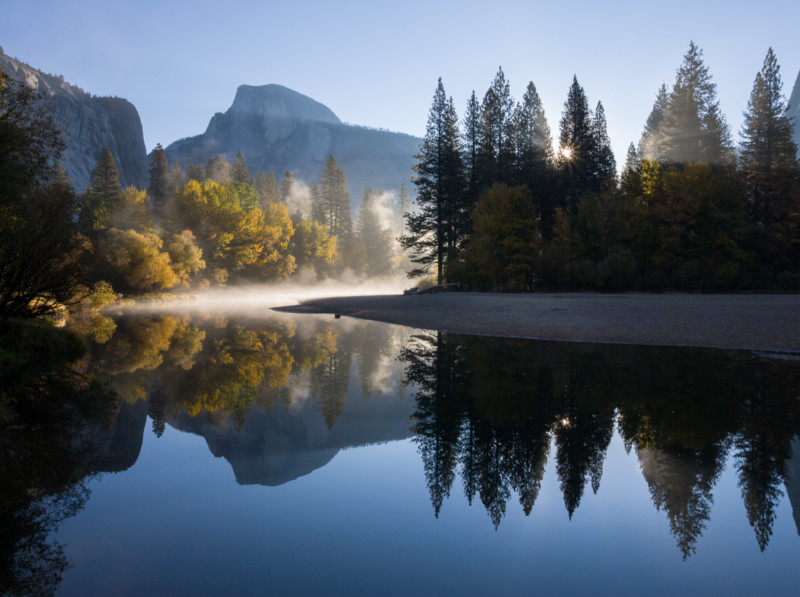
(742, 321)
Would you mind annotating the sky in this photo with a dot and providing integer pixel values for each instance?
(376, 63)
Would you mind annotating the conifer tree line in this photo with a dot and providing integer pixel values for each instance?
(498, 209)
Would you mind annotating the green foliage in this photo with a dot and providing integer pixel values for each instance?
(103, 193)
(332, 202)
(239, 172)
(267, 188)
(505, 241)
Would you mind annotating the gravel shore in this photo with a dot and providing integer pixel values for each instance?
(742, 321)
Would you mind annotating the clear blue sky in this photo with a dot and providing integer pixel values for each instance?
(376, 63)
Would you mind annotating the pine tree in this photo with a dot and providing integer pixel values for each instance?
(578, 148)
(604, 162)
(693, 128)
(403, 206)
(103, 192)
(159, 174)
(631, 177)
(438, 175)
(267, 188)
(470, 144)
(332, 205)
(375, 237)
(650, 145)
(240, 173)
(534, 153)
(218, 169)
(495, 157)
(287, 186)
(770, 167)
(532, 140)
(196, 172)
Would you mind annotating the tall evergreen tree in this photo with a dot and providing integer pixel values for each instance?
(103, 193)
(374, 235)
(495, 157)
(438, 175)
(196, 172)
(650, 145)
(403, 206)
(470, 145)
(770, 168)
(240, 173)
(578, 148)
(287, 184)
(332, 205)
(604, 162)
(218, 169)
(267, 188)
(693, 128)
(159, 177)
(534, 153)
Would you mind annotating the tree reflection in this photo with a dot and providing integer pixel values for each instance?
(488, 409)
(48, 449)
(435, 367)
(493, 406)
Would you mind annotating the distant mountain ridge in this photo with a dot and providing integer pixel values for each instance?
(278, 129)
(88, 124)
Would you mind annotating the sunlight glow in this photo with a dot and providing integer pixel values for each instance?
(566, 153)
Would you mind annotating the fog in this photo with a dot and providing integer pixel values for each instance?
(242, 299)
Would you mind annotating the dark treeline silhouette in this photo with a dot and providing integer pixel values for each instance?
(53, 421)
(498, 210)
(490, 409)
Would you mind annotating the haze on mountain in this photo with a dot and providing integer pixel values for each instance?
(278, 129)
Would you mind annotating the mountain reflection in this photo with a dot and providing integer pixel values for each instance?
(490, 409)
(268, 393)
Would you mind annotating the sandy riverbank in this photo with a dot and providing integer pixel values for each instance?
(745, 321)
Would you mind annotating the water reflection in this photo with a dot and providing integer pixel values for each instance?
(56, 429)
(490, 409)
(268, 394)
(279, 396)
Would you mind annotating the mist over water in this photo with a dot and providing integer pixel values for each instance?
(243, 299)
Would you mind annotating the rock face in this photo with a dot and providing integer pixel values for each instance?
(88, 124)
(794, 111)
(278, 129)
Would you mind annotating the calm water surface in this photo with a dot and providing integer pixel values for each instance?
(305, 455)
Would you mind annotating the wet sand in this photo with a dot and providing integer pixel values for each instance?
(742, 321)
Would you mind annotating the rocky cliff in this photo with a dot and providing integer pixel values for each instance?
(794, 111)
(278, 129)
(88, 124)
